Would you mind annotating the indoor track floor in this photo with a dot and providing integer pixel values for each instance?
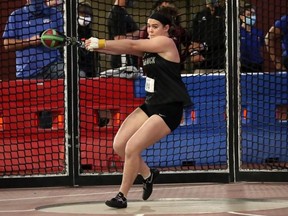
(244, 199)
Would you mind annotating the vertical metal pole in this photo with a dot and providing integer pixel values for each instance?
(232, 86)
(189, 11)
(72, 88)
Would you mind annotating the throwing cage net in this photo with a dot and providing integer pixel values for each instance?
(263, 85)
(62, 105)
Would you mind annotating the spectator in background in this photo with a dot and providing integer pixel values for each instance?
(208, 36)
(120, 26)
(179, 34)
(251, 41)
(89, 63)
(22, 34)
(278, 32)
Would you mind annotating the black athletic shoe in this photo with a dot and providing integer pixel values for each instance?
(148, 184)
(118, 202)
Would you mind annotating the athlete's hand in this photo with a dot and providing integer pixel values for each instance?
(94, 43)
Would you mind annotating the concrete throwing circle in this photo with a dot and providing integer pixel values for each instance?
(169, 206)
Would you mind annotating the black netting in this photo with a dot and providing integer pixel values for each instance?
(45, 81)
(32, 104)
(200, 141)
(263, 47)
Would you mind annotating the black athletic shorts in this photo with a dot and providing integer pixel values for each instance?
(171, 113)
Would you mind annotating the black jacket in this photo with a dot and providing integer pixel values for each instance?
(210, 29)
(88, 61)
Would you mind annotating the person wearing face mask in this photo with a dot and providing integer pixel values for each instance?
(88, 62)
(208, 31)
(33, 60)
(251, 41)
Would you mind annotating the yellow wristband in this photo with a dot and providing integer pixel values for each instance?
(101, 43)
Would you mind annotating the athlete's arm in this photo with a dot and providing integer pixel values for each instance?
(161, 45)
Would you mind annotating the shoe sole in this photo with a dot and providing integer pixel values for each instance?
(114, 206)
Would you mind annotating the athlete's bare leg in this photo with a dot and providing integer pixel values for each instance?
(151, 131)
(131, 124)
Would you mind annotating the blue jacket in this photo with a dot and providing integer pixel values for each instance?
(282, 24)
(23, 24)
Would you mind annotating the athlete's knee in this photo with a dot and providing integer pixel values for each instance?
(132, 150)
(119, 148)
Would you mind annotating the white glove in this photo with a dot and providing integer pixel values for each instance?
(96, 43)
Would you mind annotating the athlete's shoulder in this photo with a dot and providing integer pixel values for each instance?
(162, 38)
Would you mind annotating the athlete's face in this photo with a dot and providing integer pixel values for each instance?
(156, 28)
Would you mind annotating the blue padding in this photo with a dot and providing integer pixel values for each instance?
(260, 93)
(260, 144)
(263, 136)
(190, 146)
(203, 141)
(204, 85)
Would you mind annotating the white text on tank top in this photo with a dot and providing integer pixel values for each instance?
(150, 83)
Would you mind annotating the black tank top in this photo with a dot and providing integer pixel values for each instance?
(166, 85)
